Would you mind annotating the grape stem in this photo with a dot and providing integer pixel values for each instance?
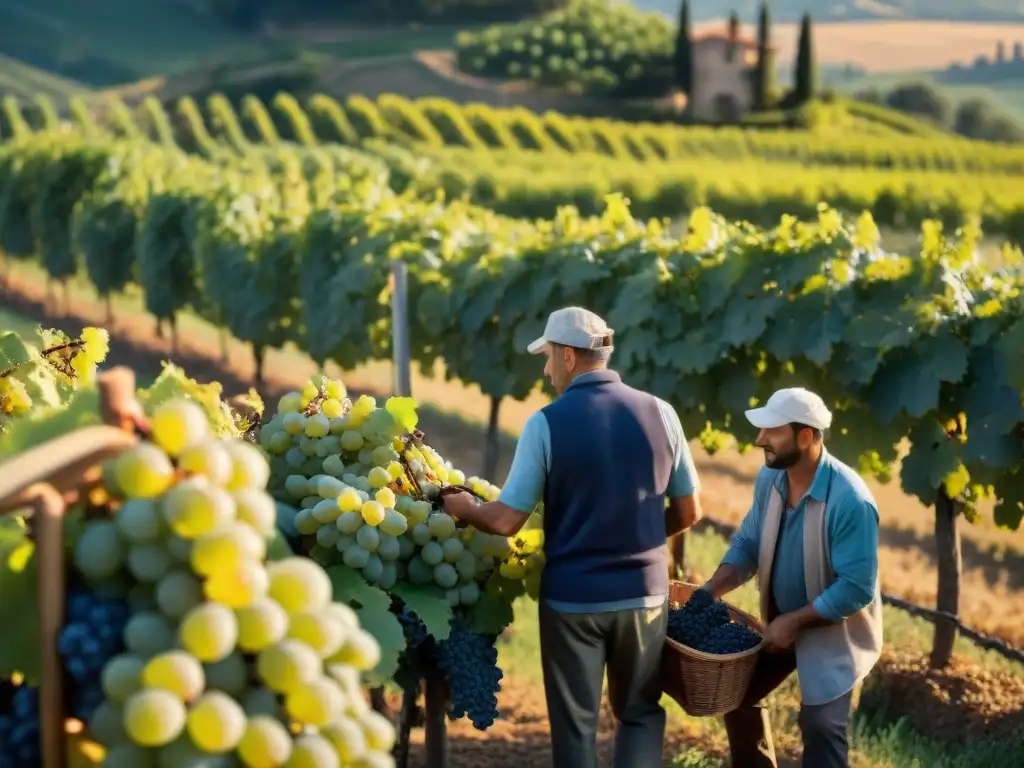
(68, 346)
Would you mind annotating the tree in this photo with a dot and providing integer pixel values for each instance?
(764, 72)
(920, 100)
(734, 36)
(804, 76)
(684, 51)
(1000, 52)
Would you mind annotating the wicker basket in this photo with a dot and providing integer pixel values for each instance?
(706, 684)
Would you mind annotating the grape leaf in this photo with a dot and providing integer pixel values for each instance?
(19, 602)
(387, 630)
(492, 614)
(430, 604)
(1010, 511)
(350, 586)
(932, 458)
(42, 424)
(403, 409)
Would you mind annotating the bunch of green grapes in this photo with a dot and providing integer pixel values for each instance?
(368, 494)
(229, 659)
(526, 560)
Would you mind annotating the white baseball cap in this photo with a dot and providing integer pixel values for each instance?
(788, 406)
(574, 327)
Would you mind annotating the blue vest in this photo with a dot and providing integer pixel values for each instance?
(604, 498)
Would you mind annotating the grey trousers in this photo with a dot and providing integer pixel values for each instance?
(823, 726)
(576, 648)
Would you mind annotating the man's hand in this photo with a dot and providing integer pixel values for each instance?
(781, 633)
(456, 504)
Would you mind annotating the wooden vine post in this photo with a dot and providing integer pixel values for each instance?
(949, 564)
(435, 688)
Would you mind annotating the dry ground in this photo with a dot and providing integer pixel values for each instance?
(885, 46)
(993, 558)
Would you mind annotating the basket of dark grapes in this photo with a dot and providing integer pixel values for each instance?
(710, 652)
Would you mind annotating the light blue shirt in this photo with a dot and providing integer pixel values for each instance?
(524, 487)
(852, 529)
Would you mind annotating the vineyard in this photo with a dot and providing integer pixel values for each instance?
(281, 241)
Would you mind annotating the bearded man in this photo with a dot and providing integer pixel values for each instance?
(811, 538)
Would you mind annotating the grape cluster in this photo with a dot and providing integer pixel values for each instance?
(19, 728)
(414, 628)
(704, 624)
(470, 662)
(91, 638)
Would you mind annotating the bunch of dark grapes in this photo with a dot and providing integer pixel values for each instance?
(470, 662)
(19, 728)
(729, 638)
(414, 628)
(704, 624)
(91, 637)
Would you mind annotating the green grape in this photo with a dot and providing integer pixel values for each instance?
(194, 507)
(388, 575)
(309, 446)
(453, 597)
(296, 486)
(328, 487)
(278, 441)
(452, 549)
(256, 509)
(351, 441)
(147, 634)
(121, 677)
(265, 744)
(317, 425)
(143, 472)
(393, 523)
(350, 501)
(313, 751)
(209, 632)
(139, 521)
(317, 703)
(249, 468)
(321, 630)
(374, 568)
(361, 651)
(445, 576)
(290, 403)
(239, 586)
(153, 717)
(230, 674)
(456, 477)
(469, 594)
(331, 408)
(328, 536)
(299, 585)
(388, 548)
(368, 538)
(419, 511)
(148, 562)
(106, 725)
(333, 465)
(349, 522)
(380, 734)
(465, 564)
(179, 549)
(356, 557)
(295, 458)
(335, 389)
(372, 512)
(305, 523)
(420, 534)
(209, 459)
(288, 665)
(432, 553)
(294, 423)
(378, 477)
(141, 598)
(406, 547)
(386, 497)
(343, 615)
(226, 548)
(441, 525)
(99, 552)
(347, 738)
(339, 425)
(216, 722)
(177, 672)
(326, 510)
(419, 571)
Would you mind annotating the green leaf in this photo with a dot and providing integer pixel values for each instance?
(1010, 511)
(385, 627)
(430, 604)
(492, 614)
(350, 587)
(42, 424)
(932, 458)
(19, 602)
(403, 409)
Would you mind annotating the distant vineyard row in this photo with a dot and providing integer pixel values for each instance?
(521, 170)
(290, 245)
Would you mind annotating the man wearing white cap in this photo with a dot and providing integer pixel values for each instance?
(811, 538)
(603, 457)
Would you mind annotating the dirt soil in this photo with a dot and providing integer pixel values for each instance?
(993, 560)
(964, 703)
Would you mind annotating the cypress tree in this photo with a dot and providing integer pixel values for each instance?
(734, 35)
(803, 81)
(764, 71)
(684, 51)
